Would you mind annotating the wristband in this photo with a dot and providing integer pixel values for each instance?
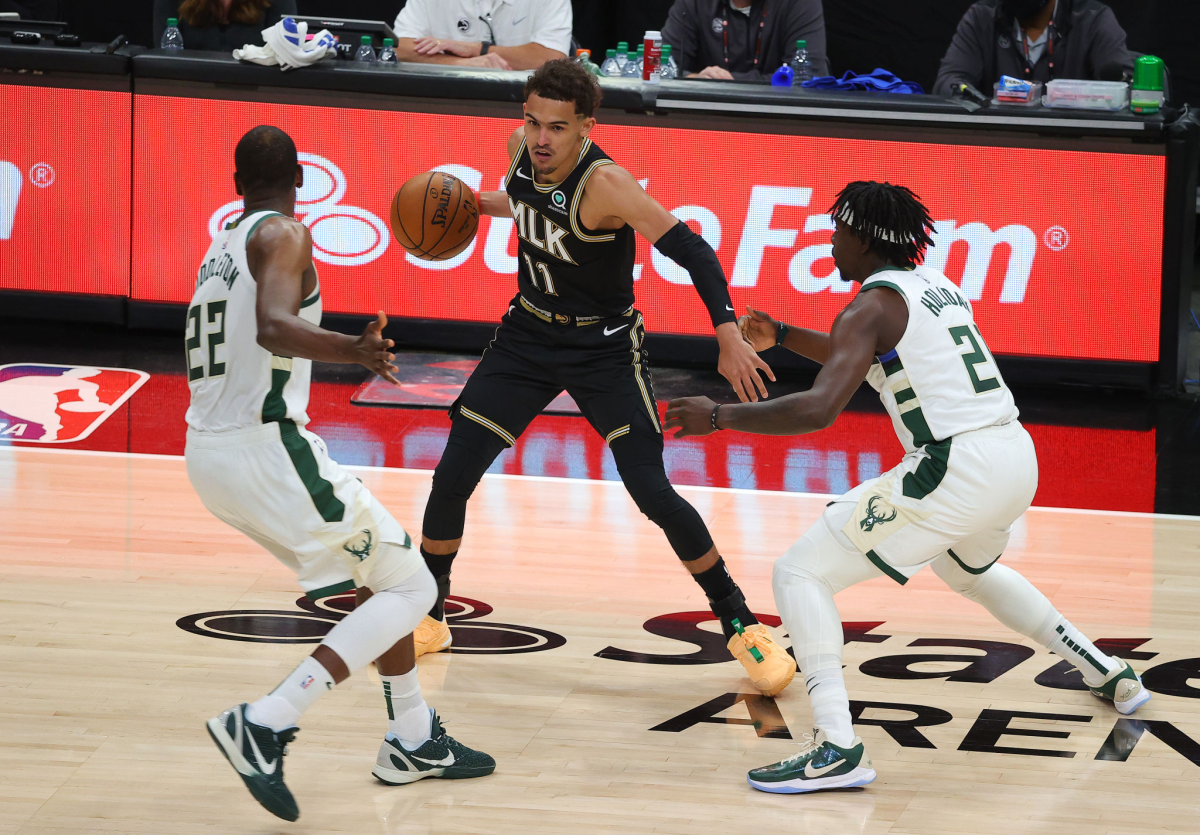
(713, 419)
(484, 46)
(782, 334)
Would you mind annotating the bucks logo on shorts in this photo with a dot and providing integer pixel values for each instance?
(361, 545)
(873, 518)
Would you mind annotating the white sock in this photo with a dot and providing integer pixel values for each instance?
(1016, 603)
(282, 707)
(1062, 638)
(831, 704)
(408, 715)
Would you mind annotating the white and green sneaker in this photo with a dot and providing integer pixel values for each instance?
(818, 765)
(256, 754)
(1123, 688)
(441, 756)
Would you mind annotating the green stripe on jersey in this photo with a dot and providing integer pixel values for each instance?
(321, 491)
(892, 366)
(905, 395)
(885, 568)
(313, 299)
(968, 568)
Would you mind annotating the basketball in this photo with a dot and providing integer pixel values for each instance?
(434, 216)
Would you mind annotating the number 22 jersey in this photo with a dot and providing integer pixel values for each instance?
(236, 383)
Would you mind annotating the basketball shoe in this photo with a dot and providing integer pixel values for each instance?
(1123, 688)
(442, 756)
(776, 669)
(256, 753)
(431, 636)
(819, 764)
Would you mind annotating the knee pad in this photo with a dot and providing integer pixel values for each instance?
(656, 498)
(469, 452)
(824, 554)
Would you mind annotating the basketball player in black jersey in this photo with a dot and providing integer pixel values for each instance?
(573, 326)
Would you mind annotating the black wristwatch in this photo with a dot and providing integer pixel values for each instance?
(484, 46)
(782, 334)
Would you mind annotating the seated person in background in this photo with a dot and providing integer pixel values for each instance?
(496, 34)
(1034, 40)
(220, 25)
(743, 40)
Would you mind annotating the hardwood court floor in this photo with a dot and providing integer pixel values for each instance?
(103, 696)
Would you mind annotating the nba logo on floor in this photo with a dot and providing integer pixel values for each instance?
(58, 404)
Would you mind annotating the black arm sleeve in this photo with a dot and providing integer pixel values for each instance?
(692, 252)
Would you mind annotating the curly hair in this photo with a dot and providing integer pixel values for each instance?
(205, 13)
(890, 218)
(564, 80)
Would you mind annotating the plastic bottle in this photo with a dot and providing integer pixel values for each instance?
(802, 68)
(633, 67)
(172, 39)
(387, 55)
(641, 60)
(365, 54)
(610, 68)
(669, 71)
(622, 56)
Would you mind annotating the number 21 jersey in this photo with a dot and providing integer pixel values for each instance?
(236, 383)
(941, 380)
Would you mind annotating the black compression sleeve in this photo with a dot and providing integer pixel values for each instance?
(692, 252)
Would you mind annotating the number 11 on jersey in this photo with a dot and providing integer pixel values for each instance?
(547, 280)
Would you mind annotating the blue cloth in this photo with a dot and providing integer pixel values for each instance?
(880, 81)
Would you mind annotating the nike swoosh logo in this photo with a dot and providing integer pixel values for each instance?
(727, 307)
(265, 767)
(812, 773)
(524, 176)
(608, 332)
(518, 20)
(446, 760)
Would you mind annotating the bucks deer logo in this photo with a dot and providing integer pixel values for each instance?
(873, 518)
(360, 546)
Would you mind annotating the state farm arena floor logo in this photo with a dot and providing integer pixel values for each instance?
(344, 236)
(471, 635)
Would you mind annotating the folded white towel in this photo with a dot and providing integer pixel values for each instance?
(287, 44)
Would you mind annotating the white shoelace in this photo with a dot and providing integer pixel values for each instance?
(808, 744)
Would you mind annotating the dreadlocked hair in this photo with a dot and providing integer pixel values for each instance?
(890, 218)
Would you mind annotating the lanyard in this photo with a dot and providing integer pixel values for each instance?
(762, 22)
(1050, 32)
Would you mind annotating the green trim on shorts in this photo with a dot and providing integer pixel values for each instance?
(968, 568)
(329, 591)
(885, 568)
(321, 491)
(930, 472)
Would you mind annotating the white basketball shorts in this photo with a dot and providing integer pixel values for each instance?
(277, 484)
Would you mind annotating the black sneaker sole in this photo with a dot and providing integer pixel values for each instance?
(258, 786)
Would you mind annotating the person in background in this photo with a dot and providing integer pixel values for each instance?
(220, 25)
(494, 34)
(743, 40)
(1034, 40)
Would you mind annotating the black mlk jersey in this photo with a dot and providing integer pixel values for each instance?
(565, 267)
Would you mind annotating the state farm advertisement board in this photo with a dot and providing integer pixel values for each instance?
(1058, 250)
(64, 190)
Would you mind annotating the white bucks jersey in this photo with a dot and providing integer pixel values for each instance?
(941, 379)
(235, 382)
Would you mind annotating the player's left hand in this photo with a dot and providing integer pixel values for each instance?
(691, 416)
(434, 46)
(373, 352)
(741, 365)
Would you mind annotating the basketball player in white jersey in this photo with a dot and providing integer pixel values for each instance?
(969, 472)
(252, 334)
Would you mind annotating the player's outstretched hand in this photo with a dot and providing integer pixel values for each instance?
(691, 416)
(741, 365)
(373, 352)
(759, 329)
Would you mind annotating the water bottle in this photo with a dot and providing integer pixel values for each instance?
(641, 60)
(668, 70)
(622, 56)
(365, 53)
(802, 69)
(633, 66)
(171, 38)
(387, 55)
(610, 68)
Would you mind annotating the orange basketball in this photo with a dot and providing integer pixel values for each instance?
(434, 216)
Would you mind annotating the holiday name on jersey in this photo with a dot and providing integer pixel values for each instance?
(935, 300)
(551, 241)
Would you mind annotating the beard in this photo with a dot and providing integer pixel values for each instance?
(1024, 9)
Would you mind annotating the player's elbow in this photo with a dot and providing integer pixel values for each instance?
(270, 332)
